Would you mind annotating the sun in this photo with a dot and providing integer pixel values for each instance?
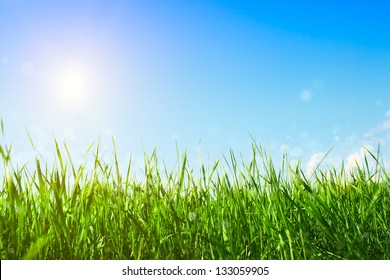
(72, 84)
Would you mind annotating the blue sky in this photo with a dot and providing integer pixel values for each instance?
(300, 76)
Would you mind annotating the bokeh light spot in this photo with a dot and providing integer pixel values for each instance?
(27, 68)
(306, 95)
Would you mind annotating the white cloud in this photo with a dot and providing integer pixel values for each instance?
(306, 95)
(381, 132)
(377, 129)
(313, 162)
(357, 159)
(351, 161)
(354, 160)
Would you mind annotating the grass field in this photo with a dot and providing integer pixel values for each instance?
(244, 210)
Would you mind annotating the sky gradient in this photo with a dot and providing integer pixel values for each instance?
(296, 76)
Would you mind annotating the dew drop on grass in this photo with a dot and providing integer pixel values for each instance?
(191, 216)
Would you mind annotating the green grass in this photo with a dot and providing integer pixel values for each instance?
(232, 210)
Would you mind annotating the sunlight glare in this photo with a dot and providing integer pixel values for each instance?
(73, 85)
